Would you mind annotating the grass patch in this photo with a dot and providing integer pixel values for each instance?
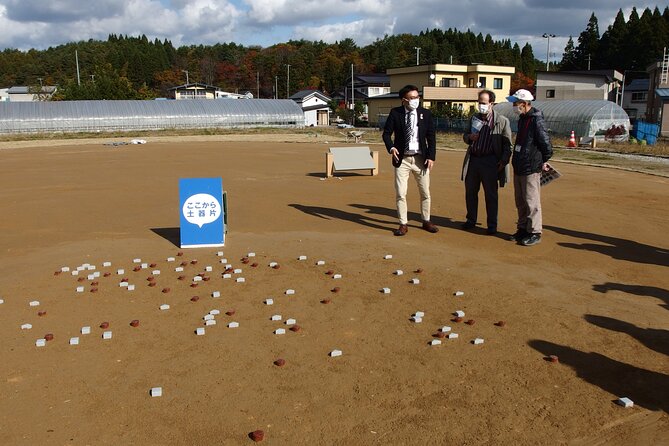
(596, 157)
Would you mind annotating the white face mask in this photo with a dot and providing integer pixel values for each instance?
(484, 108)
(412, 104)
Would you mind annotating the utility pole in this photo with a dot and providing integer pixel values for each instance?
(548, 48)
(417, 48)
(258, 84)
(589, 59)
(40, 82)
(92, 76)
(276, 87)
(352, 90)
(186, 71)
(288, 82)
(76, 57)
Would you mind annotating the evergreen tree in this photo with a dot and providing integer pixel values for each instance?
(632, 44)
(569, 56)
(528, 64)
(588, 44)
(611, 49)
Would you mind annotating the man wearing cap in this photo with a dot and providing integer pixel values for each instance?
(531, 153)
(413, 151)
(489, 151)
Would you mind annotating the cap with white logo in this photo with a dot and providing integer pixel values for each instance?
(521, 95)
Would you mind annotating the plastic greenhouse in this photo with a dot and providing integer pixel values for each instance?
(100, 116)
(589, 118)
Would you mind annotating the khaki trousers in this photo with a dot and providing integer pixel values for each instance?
(412, 165)
(527, 191)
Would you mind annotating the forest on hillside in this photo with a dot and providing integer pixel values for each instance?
(128, 67)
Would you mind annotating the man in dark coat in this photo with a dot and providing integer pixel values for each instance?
(530, 157)
(413, 151)
(489, 138)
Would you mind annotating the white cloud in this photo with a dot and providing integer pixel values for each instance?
(197, 21)
(302, 13)
(60, 10)
(361, 31)
(41, 23)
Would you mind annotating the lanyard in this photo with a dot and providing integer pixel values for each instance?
(521, 140)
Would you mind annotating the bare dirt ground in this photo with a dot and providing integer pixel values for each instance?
(595, 293)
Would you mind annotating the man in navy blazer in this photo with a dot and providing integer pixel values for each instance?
(413, 151)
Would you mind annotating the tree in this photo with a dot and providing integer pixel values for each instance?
(631, 47)
(528, 64)
(108, 84)
(569, 56)
(520, 80)
(611, 49)
(588, 45)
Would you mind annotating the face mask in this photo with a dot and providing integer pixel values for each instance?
(413, 104)
(484, 108)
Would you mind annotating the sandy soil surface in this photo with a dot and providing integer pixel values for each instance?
(595, 293)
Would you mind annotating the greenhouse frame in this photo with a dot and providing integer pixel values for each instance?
(587, 118)
(104, 116)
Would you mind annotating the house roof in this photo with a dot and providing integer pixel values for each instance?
(316, 107)
(19, 89)
(609, 75)
(373, 78)
(392, 95)
(301, 95)
(638, 85)
(662, 93)
(194, 85)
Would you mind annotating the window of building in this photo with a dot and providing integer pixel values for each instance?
(482, 81)
(471, 82)
(550, 93)
(640, 96)
(449, 82)
(497, 83)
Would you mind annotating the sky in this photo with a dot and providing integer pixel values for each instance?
(39, 24)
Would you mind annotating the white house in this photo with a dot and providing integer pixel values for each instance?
(4, 96)
(635, 98)
(194, 90)
(315, 106)
(593, 84)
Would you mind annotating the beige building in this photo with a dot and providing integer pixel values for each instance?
(194, 90)
(452, 85)
(594, 84)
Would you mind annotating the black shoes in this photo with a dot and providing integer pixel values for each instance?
(518, 236)
(468, 225)
(531, 240)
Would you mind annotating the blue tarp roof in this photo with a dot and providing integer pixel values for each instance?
(663, 93)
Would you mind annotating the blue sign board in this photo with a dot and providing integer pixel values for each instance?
(202, 212)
